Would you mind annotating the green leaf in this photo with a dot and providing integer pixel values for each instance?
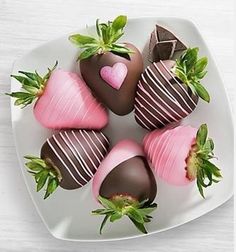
(30, 89)
(42, 180)
(209, 144)
(30, 157)
(51, 186)
(138, 225)
(201, 75)
(120, 49)
(213, 168)
(102, 211)
(21, 95)
(190, 57)
(25, 81)
(201, 65)
(115, 216)
(136, 215)
(103, 223)
(119, 23)
(88, 53)
(202, 92)
(200, 189)
(147, 210)
(98, 28)
(79, 39)
(108, 204)
(33, 166)
(202, 135)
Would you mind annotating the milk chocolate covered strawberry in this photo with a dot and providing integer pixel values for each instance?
(168, 90)
(110, 68)
(62, 100)
(125, 185)
(181, 155)
(68, 159)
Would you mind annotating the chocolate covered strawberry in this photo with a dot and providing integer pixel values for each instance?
(125, 185)
(168, 90)
(181, 155)
(68, 159)
(110, 68)
(62, 100)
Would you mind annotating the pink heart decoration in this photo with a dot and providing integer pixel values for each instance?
(114, 75)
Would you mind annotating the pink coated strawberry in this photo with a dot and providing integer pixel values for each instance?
(181, 155)
(62, 100)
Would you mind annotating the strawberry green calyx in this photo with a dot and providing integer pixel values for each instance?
(191, 70)
(198, 162)
(45, 173)
(125, 205)
(106, 41)
(33, 86)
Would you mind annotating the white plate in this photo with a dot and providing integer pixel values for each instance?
(67, 214)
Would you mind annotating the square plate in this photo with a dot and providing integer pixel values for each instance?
(67, 214)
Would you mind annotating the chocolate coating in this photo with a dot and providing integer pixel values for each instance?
(161, 97)
(163, 44)
(76, 154)
(133, 177)
(121, 101)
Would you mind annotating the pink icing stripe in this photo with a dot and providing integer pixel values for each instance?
(86, 153)
(178, 82)
(173, 156)
(68, 158)
(165, 94)
(159, 105)
(82, 162)
(148, 111)
(141, 121)
(176, 91)
(100, 143)
(178, 138)
(168, 150)
(164, 150)
(137, 100)
(65, 104)
(121, 152)
(67, 168)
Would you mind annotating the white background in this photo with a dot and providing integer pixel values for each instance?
(25, 25)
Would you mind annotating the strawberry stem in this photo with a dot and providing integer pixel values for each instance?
(125, 205)
(191, 70)
(106, 41)
(33, 86)
(198, 162)
(45, 173)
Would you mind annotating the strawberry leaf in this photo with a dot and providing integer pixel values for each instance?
(42, 179)
(124, 205)
(88, 53)
(32, 85)
(190, 70)
(119, 23)
(202, 135)
(139, 226)
(202, 92)
(79, 39)
(108, 34)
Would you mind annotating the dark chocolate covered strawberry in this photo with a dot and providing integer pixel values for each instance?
(168, 90)
(69, 158)
(182, 155)
(125, 185)
(62, 100)
(110, 68)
